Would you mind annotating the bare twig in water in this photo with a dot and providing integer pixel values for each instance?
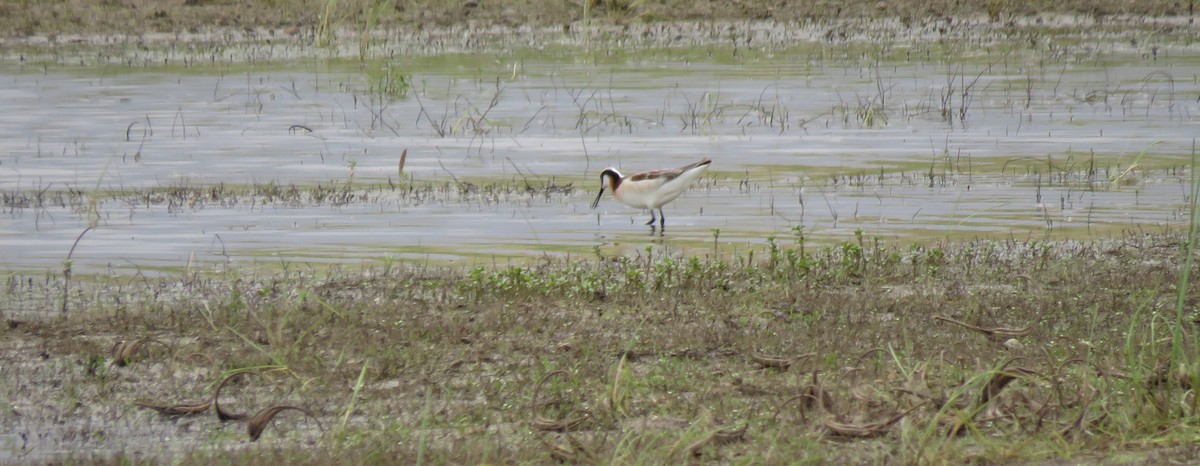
(455, 178)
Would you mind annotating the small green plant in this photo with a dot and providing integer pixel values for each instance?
(664, 271)
(1183, 360)
(358, 386)
(618, 394)
(853, 257)
(774, 254)
(1126, 175)
(388, 82)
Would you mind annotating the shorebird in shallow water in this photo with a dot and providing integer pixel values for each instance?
(652, 189)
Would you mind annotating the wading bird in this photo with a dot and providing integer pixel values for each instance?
(652, 189)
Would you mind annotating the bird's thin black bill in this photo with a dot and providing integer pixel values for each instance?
(597, 201)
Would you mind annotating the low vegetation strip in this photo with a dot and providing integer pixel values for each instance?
(994, 351)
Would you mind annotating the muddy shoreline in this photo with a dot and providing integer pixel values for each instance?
(72, 48)
(23, 19)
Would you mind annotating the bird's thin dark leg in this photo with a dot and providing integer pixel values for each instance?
(662, 218)
(652, 219)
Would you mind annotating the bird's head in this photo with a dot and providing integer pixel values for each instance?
(609, 178)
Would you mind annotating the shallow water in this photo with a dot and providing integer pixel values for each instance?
(907, 144)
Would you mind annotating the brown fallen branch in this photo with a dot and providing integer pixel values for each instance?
(991, 333)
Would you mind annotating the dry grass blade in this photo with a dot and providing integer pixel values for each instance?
(816, 395)
(561, 453)
(221, 413)
(258, 422)
(206, 357)
(993, 388)
(124, 350)
(813, 396)
(859, 360)
(557, 425)
(772, 362)
(769, 362)
(993, 332)
(999, 381)
(179, 410)
(551, 425)
(724, 436)
(717, 437)
(789, 401)
(1162, 375)
(857, 430)
(400, 166)
(868, 430)
(537, 389)
(1110, 372)
(574, 452)
(1077, 424)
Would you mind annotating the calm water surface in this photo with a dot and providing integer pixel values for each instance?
(907, 144)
